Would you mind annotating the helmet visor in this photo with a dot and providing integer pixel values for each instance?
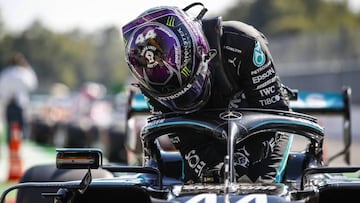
(161, 51)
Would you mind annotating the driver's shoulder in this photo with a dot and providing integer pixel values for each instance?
(241, 31)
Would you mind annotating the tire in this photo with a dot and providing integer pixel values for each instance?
(47, 173)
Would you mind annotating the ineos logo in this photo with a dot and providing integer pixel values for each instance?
(230, 115)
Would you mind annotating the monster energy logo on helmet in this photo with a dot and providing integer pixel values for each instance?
(170, 21)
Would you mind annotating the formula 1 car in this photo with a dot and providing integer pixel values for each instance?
(81, 176)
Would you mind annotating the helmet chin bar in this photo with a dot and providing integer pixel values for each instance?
(198, 104)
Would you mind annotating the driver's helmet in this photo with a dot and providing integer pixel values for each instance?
(166, 51)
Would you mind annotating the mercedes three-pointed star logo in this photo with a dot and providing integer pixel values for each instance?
(230, 115)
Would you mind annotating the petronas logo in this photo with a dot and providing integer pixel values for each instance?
(170, 21)
(259, 57)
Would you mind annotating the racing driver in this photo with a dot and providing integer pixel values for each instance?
(169, 54)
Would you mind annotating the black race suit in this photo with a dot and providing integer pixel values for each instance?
(249, 69)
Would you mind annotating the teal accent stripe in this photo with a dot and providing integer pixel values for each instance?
(323, 100)
(281, 170)
(291, 122)
(177, 123)
(182, 170)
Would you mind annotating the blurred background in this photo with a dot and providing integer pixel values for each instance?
(73, 42)
(76, 49)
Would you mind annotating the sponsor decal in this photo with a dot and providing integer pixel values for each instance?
(259, 78)
(187, 52)
(258, 187)
(194, 162)
(270, 100)
(152, 124)
(232, 61)
(267, 91)
(155, 122)
(259, 57)
(178, 94)
(258, 70)
(185, 71)
(170, 21)
(272, 80)
(233, 49)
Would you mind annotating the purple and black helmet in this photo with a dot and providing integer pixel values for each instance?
(165, 50)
